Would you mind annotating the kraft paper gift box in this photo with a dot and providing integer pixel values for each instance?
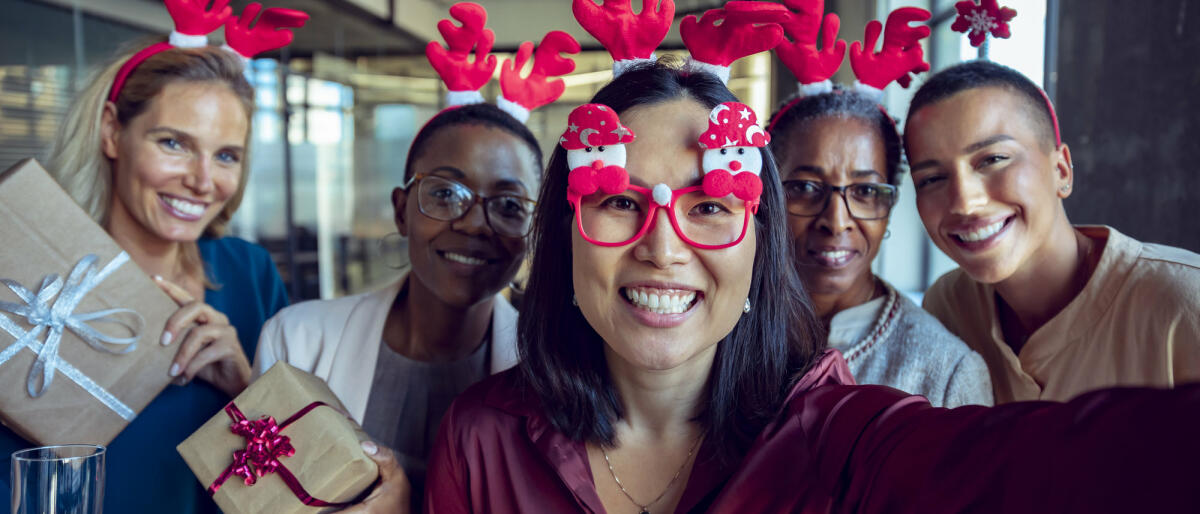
(76, 363)
(316, 448)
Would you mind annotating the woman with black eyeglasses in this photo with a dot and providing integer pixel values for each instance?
(838, 156)
(397, 357)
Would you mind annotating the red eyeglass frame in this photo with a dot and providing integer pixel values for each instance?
(652, 216)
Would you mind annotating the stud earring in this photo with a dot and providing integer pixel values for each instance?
(746, 309)
(574, 301)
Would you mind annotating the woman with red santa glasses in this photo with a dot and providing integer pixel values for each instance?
(671, 362)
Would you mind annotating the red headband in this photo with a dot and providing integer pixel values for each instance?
(1053, 118)
(194, 22)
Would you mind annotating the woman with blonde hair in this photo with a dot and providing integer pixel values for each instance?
(154, 149)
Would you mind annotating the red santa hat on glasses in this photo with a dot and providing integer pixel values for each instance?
(732, 161)
(465, 76)
(195, 20)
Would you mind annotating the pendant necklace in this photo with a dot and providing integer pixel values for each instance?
(645, 509)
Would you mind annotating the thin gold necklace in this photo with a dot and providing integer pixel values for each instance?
(645, 509)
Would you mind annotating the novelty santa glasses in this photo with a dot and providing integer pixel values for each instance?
(609, 211)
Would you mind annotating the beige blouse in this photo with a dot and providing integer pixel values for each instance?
(1136, 323)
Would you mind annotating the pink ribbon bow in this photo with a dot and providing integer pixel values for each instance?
(265, 445)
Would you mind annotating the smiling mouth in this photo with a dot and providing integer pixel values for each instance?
(463, 258)
(182, 208)
(660, 301)
(982, 234)
(832, 258)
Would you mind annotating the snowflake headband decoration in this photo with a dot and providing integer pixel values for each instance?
(978, 21)
(195, 20)
(465, 76)
(716, 39)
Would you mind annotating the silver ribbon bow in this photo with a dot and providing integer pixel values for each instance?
(52, 310)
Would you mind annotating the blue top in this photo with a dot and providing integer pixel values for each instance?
(144, 473)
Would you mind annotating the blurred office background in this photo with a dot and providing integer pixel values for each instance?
(337, 110)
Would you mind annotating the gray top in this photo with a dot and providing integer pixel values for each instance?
(407, 401)
(891, 341)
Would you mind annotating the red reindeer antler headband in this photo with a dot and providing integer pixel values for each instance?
(519, 96)
(629, 38)
(900, 56)
(736, 30)
(195, 20)
(465, 77)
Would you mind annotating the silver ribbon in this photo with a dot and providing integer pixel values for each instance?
(52, 310)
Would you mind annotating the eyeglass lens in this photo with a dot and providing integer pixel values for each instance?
(864, 201)
(447, 200)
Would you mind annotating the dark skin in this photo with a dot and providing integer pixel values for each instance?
(834, 250)
(455, 299)
(981, 160)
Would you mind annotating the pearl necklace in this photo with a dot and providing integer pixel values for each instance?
(883, 327)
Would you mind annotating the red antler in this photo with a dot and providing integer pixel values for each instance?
(901, 53)
(453, 63)
(537, 90)
(808, 64)
(192, 18)
(626, 35)
(271, 31)
(740, 28)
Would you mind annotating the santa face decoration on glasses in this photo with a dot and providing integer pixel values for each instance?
(609, 211)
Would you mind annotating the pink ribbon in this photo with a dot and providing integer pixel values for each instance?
(265, 445)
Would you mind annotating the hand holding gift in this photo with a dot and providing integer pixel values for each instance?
(393, 493)
(210, 349)
(285, 445)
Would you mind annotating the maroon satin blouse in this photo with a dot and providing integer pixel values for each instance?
(843, 448)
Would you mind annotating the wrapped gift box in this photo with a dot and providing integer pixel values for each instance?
(317, 446)
(104, 368)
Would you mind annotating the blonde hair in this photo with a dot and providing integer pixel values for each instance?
(75, 157)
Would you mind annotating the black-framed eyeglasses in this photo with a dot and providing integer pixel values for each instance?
(866, 201)
(443, 199)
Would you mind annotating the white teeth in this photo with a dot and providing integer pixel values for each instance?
(835, 255)
(464, 259)
(982, 233)
(184, 206)
(666, 303)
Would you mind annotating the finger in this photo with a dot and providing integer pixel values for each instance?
(197, 338)
(222, 345)
(195, 313)
(385, 458)
(175, 291)
(180, 321)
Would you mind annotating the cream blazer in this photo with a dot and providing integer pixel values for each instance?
(338, 340)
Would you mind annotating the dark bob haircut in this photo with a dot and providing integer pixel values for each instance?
(562, 357)
(484, 114)
(798, 111)
(984, 73)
